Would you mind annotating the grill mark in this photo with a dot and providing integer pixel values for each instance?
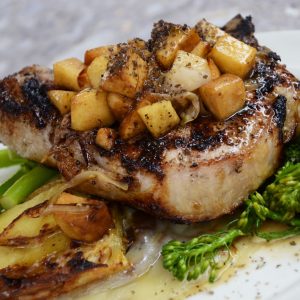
(79, 264)
(36, 95)
(266, 76)
(29, 100)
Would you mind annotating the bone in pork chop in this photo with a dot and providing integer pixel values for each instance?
(196, 172)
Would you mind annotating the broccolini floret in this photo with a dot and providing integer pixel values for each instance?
(279, 202)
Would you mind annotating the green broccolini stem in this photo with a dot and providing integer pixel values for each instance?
(278, 234)
(25, 185)
(10, 181)
(279, 202)
(9, 158)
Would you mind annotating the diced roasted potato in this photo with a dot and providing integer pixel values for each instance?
(159, 117)
(224, 96)
(126, 73)
(61, 99)
(91, 54)
(85, 219)
(96, 70)
(89, 110)
(140, 45)
(201, 49)
(190, 40)
(209, 31)
(214, 71)
(83, 79)
(188, 72)
(106, 138)
(119, 105)
(66, 73)
(132, 125)
(233, 56)
(178, 39)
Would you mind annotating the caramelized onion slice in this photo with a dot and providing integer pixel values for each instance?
(81, 218)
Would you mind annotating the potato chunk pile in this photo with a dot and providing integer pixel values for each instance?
(126, 90)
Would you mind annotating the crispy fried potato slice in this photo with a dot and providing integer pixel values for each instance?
(55, 265)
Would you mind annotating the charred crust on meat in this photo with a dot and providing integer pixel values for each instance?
(36, 95)
(274, 56)
(28, 99)
(266, 77)
(279, 108)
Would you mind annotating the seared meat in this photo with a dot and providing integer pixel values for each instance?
(193, 173)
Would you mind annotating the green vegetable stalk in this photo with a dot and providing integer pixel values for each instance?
(279, 202)
(9, 158)
(28, 178)
(25, 185)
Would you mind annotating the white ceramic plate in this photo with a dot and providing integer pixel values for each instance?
(273, 273)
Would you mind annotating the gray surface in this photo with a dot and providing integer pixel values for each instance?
(38, 31)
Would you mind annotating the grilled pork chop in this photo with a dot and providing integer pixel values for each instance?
(197, 172)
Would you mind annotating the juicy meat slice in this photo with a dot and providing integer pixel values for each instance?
(194, 173)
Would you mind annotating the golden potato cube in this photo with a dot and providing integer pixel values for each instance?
(178, 39)
(61, 99)
(91, 54)
(126, 74)
(201, 49)
(140, 46)
(224, 96)
(188, 72)
(233, 56)
(83, 80)
(159, 117)
(106, 138)
(214, 71)
(89, 110)
(190, 40)
(132, 125)
(66, 73)
(119, 105)
(96, 70)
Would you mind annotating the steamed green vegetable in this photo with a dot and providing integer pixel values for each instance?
(10, 181)
(9, 158)
(25, 185)
(279, 202)
(28, 178)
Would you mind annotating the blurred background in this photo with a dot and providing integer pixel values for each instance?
(36, 31)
